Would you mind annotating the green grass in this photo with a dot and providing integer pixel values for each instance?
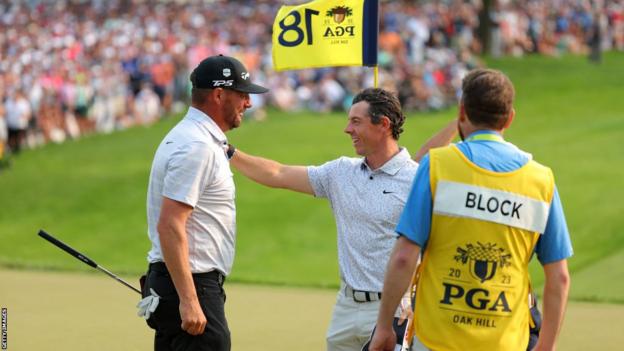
(91, 193)
(260, 318)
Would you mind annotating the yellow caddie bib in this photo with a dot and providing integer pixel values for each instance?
(474, 281)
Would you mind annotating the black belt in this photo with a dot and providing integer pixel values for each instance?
(160, 267)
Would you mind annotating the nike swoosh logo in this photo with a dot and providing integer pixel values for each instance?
(169, 142)
(387, 192)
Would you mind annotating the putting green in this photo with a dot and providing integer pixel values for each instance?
(70, 311)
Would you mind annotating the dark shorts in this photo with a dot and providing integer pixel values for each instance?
(166, 319)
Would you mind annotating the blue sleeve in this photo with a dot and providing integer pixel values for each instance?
(415, 221)
(554, 244)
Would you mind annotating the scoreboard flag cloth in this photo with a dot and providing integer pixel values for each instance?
(326, 33)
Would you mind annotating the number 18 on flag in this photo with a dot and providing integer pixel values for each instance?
(326, 33)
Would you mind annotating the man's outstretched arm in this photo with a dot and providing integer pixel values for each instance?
(271, 173)
(442, 138)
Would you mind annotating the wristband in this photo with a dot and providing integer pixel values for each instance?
(230, 151)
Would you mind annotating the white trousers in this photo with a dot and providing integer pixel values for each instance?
(351, 323)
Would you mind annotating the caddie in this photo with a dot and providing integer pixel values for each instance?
(478, 211)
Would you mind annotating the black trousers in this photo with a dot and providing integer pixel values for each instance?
(166, 319)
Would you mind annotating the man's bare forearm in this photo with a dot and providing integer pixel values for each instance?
(398, 277)
(556, 287)
(441, 138)
(272, 173)
(174, 247)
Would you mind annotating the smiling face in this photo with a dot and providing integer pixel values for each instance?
(366, 136)
(234, 105)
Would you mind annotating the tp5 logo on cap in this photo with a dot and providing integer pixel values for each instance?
(222, 83)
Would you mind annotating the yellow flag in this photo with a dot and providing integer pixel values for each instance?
(325, 33)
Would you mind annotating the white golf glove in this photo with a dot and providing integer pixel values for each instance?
(148, 305)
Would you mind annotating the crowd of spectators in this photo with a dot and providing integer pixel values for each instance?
(70, 68)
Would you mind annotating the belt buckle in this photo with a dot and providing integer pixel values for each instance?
(360, 296)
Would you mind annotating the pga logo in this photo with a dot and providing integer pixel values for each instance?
(222, 83)
(226, 72)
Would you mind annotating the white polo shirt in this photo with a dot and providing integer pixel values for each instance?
(366, 205)
(190, 166)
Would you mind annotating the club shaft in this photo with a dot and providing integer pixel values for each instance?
(61, 245)
(102, 269)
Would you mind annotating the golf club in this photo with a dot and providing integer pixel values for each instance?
(61, 245)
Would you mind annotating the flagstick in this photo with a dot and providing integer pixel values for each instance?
(376, 74)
